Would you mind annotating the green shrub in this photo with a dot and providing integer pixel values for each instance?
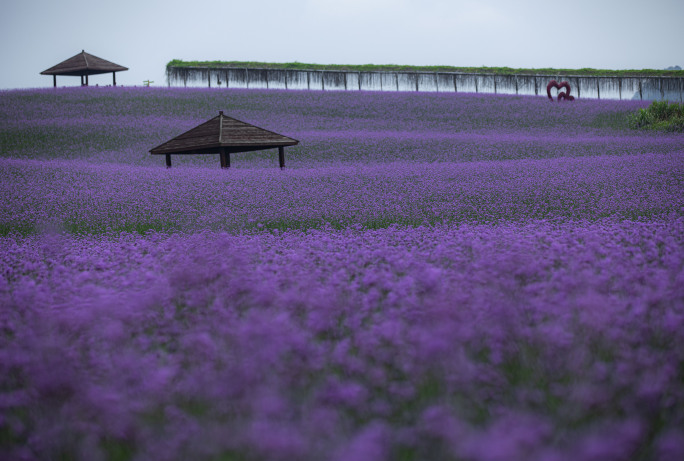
(660, 115)
(407, 68)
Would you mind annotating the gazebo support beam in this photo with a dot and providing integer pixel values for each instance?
(113, 78)
(281, 157)
(225, 158)
(54, 81)
(168, 160)
(86, 79)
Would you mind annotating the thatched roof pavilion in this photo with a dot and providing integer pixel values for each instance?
(224, 135)
(83, 65)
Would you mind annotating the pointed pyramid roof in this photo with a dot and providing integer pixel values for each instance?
(83, 63)
(223, 132)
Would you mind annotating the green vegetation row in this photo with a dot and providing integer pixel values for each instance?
(405, 68)
(660, 115)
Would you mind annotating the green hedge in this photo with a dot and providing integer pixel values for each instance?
(395, 67)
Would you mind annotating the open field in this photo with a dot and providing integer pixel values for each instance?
(432, 277)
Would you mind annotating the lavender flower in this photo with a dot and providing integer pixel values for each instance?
(434, 277)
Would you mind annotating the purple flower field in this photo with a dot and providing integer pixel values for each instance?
(432, 277)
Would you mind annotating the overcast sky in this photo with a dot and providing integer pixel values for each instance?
(144, 35)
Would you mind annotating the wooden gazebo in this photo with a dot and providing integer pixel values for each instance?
(224, 135)
(83, 65)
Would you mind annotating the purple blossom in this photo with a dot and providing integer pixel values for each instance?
(432, 277)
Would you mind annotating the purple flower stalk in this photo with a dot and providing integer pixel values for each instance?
(434, 276)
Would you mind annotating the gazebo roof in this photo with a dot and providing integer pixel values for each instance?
(223, 132)
(83, 64)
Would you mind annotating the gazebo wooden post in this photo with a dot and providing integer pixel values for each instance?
(54, 81)
(86, 79)
(225, 157)
(281, 156)
(113, 78)
(168, 160)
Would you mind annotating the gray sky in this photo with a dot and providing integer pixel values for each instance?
(144, 35)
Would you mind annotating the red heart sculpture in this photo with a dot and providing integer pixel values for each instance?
(561, 94)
